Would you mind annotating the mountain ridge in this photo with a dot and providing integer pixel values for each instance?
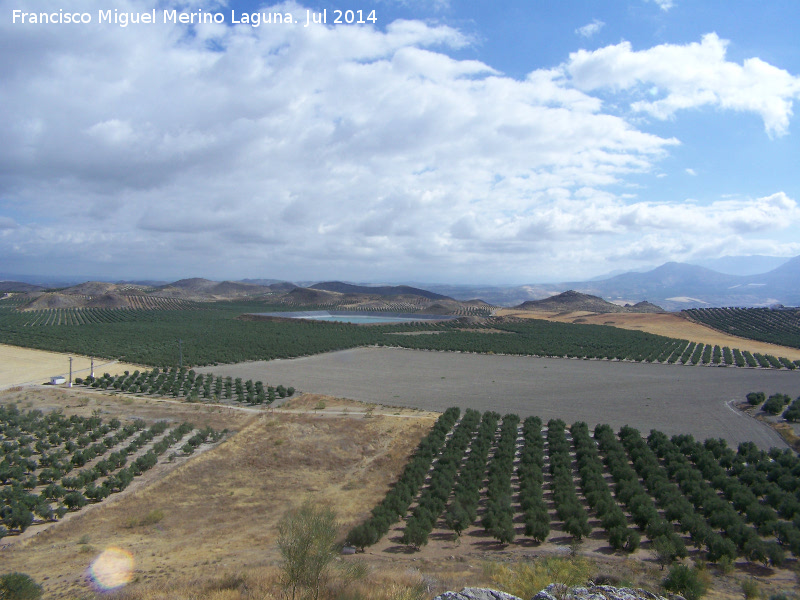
(381, 290)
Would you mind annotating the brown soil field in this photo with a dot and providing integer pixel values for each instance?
(667, 324)
(672, 398)
(20, 366)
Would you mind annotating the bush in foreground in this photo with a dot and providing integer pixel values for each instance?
(526, 579)
(19, 586)
(306, 537)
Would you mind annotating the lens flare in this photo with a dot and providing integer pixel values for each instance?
(112, 569)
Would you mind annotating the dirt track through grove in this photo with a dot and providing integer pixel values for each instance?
(671, 398)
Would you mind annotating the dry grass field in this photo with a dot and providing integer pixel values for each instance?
(667, 324)
(24, 365)
(217, 513)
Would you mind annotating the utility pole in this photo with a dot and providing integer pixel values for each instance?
(92, 370)
(69, 381)
(180, 350)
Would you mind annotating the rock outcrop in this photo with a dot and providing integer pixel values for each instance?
(556, 591)
(476, 594)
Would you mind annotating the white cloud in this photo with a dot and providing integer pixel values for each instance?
(326, 152)
(691, 172)
(690, 76)
(664, 5)
(590, 29)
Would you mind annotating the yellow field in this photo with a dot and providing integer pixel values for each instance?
(19, 366)
(667, 324)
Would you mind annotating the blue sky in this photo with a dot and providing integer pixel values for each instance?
(454, 142)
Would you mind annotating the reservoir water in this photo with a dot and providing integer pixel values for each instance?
(363, 318)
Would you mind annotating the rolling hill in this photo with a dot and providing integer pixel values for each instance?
(18, 286)
(384, 290)
(571, 300)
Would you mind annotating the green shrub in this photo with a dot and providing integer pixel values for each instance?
(775, 403)
(684, 581)
(19, 586)
(526, 579)
(782, 596)
(750, 588)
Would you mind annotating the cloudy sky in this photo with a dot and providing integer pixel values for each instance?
(449, 141)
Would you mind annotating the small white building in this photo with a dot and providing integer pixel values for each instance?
(57, 380)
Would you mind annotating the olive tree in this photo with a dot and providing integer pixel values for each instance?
(306, 540)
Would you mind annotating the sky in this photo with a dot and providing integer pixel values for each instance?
(439, 141)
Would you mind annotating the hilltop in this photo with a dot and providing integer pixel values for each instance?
(381, 290)
(99, 294)
(572, 301)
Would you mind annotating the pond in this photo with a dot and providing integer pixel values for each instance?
(363, 318)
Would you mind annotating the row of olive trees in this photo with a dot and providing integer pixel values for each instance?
(182, 382)
(394, 505)
(672, 502)
(463, 509)
(760, 515)
(498, 518)
(433, 499)
(597, 493)
(568, 508)
(630, 492)
(719, 512)
(531, 481)
(50, 464)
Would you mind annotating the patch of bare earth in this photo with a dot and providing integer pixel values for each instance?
(444, 554)
(666, 324)
(20, 366)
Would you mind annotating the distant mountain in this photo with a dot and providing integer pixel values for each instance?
(670, 279)
(194, 284)
(197, 288)
(18, 286)
(497, 295)
(141, 283)
(673, 286)
(677, 285)
(91, 288)
(785, 279)
(384, 290)
(742, 265)
(571, 300)
(271, 283)
(302, 296)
